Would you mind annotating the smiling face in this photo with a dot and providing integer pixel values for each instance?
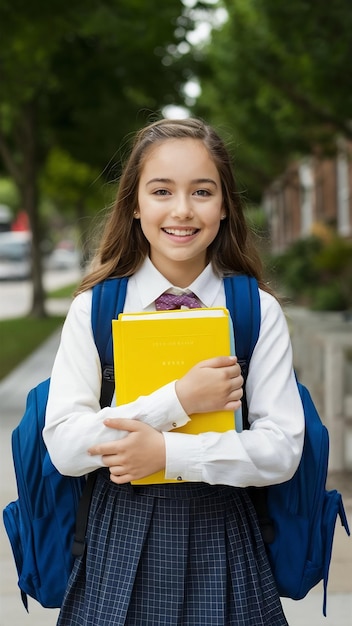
(180, 206)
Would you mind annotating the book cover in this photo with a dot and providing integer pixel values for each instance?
(153, 349)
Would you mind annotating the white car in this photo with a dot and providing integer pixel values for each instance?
(63, 259)
(15, 255)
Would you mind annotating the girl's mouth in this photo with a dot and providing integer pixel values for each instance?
(181, 232)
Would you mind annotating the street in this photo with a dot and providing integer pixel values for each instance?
(15, 296)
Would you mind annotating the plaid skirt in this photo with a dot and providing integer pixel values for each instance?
(187, 554)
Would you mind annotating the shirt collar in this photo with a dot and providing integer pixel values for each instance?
(151, 284)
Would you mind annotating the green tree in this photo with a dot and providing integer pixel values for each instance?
(75, 190)
(276, 78)
(317, 272)
(81, 75)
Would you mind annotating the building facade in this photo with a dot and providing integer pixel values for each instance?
(313, 190)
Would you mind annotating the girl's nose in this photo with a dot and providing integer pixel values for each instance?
(182, 207)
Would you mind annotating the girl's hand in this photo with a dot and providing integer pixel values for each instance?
(139, 454)
(211, 385)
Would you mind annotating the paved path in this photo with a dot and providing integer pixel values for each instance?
(13, 391)
(16, 296)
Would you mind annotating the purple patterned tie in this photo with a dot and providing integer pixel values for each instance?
(171, 301)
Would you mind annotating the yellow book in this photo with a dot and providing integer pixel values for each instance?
(153, 349)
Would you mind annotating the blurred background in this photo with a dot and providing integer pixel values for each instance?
(78, 78)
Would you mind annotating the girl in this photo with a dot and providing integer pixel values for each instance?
(185, 553)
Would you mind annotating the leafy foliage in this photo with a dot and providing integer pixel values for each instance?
(317, 272)
(92, 70)
(79, 77)
(276, 78)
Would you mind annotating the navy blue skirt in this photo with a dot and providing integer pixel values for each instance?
(187, 554)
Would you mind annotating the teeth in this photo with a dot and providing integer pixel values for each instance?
(180, 233)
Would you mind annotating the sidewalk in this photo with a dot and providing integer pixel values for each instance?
(13, 392)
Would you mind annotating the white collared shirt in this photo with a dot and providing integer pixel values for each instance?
(267, 453)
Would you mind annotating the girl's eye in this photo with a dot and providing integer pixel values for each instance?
(161, 192)
(202, 192)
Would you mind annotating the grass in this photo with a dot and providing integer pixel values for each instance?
(21, 336)
(63, 292)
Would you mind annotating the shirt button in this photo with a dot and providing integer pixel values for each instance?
(174, 425)
(179, 478)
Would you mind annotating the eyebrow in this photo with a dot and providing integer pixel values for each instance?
(196, 181)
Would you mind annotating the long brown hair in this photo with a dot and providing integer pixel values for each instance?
(123, 246)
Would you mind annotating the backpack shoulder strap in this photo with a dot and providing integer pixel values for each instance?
(107, 302)
(243, 302)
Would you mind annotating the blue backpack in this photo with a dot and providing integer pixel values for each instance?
(297, 518)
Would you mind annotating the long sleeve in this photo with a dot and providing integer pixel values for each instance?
(270, 451)
(74, 419)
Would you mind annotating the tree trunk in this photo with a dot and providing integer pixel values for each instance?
(30, 197)
(30, 205)
(24, 172)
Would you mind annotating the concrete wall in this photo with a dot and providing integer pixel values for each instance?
(322, 347)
